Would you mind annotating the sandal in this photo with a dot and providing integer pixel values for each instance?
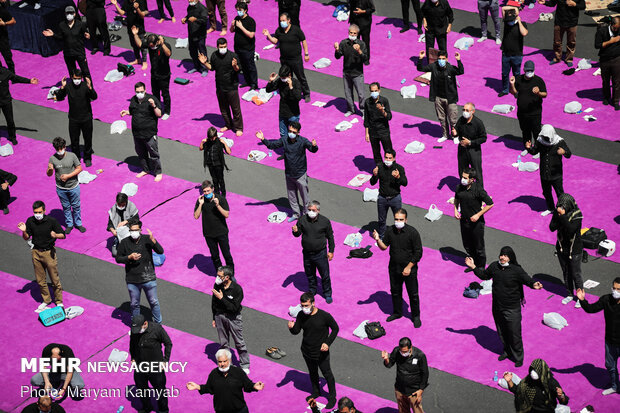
(272, 352)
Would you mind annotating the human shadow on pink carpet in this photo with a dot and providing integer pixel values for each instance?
(485, 337)
(383, 299)
(536, 203)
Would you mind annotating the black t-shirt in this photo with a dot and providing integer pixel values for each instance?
(226, 78)
(65, 351)
(512, 44)
(290, 42)
(143, 118)
(405, 245)
(527, 102)
(5, 16)
(470, 201)
(243, 42)
(160, 63)
(213, 222)
(133, 18)
(40, 230)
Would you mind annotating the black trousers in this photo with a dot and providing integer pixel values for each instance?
(160, 8)
(195, 47)
(376, 141)
(217, 177)
(571, 270)
(161, 90)
(508, 325)
(297, 67)
(530, 127)
(217, 244)
(148, 152)
(442, 41)
(467, 158)
(396, 289)
(96, 19)
(318, 261)
(82, 63)
(610, 76)
(5, 195)
(230, 108)
(365, 36)
(546, 190)
(472, 234)
(86, 129)
(248, 66)
(138, 53)
(313, 369)
(418, 13)
(158, 381)
(293, 13)
(7, 109)
(5, 49)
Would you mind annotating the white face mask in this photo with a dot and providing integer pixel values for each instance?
(284, 79)
(534, 375)
(142, 330)
(292, 135)
(38, 217)
(388, 163)
(153, 47)
(218, 280)
(504, 264)
(77, 82)
(467, 115)
(352, 38)
(374, 95)
(312, 214)
(193, 3)
(121, 208)
(306, 310)
(464, 181)
(529, 75)
(615, 294)
(222, 50)
(60, 152)
(70, 17)
(140, 95)
(224, 369)
(399, 224)
(407, 354)
(134, 234)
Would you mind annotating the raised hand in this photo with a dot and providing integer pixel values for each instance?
(272, 76)
(508, 376)
(260, 135)
(385, 355)
(457, 56)
(422, 53)
(375, 171)
(266, 32)
(202, 58)
(63, 82)
(134, 30)
(375, 235)
(22, 227)
(336, 45)
(291, 324)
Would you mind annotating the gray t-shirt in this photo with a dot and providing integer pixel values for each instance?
(65, 165)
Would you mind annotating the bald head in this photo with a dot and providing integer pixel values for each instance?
(44, 404)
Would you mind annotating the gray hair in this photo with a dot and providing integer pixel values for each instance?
(354, 27)
(226, 271)
(223, 352)
(471, 104)
(316, 204)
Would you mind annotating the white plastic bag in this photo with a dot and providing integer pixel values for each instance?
(527, 166)
(85, 177)
(118, 356)
(360, 331)
(584, 64)
(433, 213)
(504, 385)
(51, 92)
(323, 62)
(130, 189)
(359, 180)
(264, 96)
(503, 108)
(414, 147)
(342, 16)
(561, 408)
(408, 92)
(73, 311)
(353, 240)
(370, 195)
(256, 156)
(122, 232)
(6, 150)
(118, 126)
(464, 43)
(247, 96)
(229, 142)
(572, 107)
(554, 320)
(113, 76)
(181, 43)
(294, 310)
(276, 217)
(343, 126)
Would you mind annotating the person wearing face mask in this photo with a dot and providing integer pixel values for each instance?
(226, 66)
(213, 159)
(289, 90)
(5, 47)
(550, 147)
(508, 281)
(512, 47)
(7, 180)
(96, 20)
(215, 211)
(6, 100)
(80, 93)
(43, 405)
(530, 90)
(292, 7)
(377, 115)
(539, 392)
(405, 253)
(136, 252)
(411, 375)
(295, 165)
(437, 21)
(355, 56)
(470, 197)
(65, 166)
(469, 133)
(566, 20)
(197, 19)
(607, 41)
(159, 54)
(145, 110)
(227, 383)
(135, 11)
(610, 305)
(391, 177)
(226, 308)
(443, 91)
(316, 234)
(118, 216)
(320, 330)
(44, 230)
(145, 343)
(244, 28)
(360, 14)
(291, 39)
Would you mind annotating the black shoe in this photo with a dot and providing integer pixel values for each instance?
(519, 363)
(417, 323)
(68, 230)
(5, 211)
(393, 317)
(605, 102)
(313, 396)
(94, 51)
(81, 229)
(502, 94)
(617, 106)
(502, 357)
(13, 141)
(468, 269)
(331, 403)
(107, 53)
(279, 158)
(307, 99)
(88, 163)
(404, 29)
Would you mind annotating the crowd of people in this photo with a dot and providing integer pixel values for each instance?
(135, 249)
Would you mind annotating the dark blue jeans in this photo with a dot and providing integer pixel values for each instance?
(312, 262)
(612, 353)
(510, 63)
(383, 204)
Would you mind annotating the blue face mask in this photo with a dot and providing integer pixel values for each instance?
(284, 25)
(374, 95)
(441, 62)
(292, 135)
(512, 23)
(240, 13)
(209, 196)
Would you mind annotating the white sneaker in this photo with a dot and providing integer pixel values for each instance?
(498, 40)
(442, 139)
(545, 213)
(246, 371)
(578, 304)
(456, 141)
(165, 116)
(609, 391)
(348, 113)
(482, 39)
(41, 307)
(60, 305)
(524, 153)
(567, 300)
(37, 6)
(24, 4)
(536, 156)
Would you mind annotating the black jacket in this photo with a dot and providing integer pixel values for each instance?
(7, 177)
(72, 38)
(364, 19)
(289, 98)
(411, 371)
(568, 227)
(611, 311)
(80, 108)
(230, 303)
(566, 16)
(198, 29)
(508, 284)
(611, 51)
(5, 76)
(452, 93)
(142, 270)
(550, 161)
(147, 346)
(353, 61)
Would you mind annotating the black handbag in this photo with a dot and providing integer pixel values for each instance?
(360, 253)
(592, 237)
(374, 330)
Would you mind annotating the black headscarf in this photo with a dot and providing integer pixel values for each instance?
(509, 252)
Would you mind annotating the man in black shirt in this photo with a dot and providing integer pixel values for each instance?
(377, 115)
(512, 47)
(215, 211)
(227, 383)
(7, 179)
(226, 66)
(43, 405)
(159, 53)
(72, 33)
(6, 100)
(60, 380)
(292, 7)
(316, 233)
(355, 55)
(244, 28)
(566, 20)
(136, 252)
(360, 14)
(96, 19)
(135, 12)
(530, 90)
(289, 90)
(607, 40)
(289, 38)
(411, 374)
(196, 20)
(391, 177)
(44, 230)
(6, 20)
(145, 344)
(470, 196)
(438, 19)
(405, 253)
(418, 14)
(469, 133)
(317, 338)
(145, 109)
(508, 281)
(80, 113)
(213, 159)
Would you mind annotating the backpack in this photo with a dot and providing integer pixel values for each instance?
(52, 316)
(360, 253)
(126, 70)
(592, 237)
(472, 290)
(374, 330)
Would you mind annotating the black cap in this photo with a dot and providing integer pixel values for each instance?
(510, 17)
(529, 66)
(70, 9)
(136, 323)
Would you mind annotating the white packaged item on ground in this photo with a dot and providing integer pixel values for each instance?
(590, 284)
(6, 149)
(588, 110)
(464, 43)
(359, 180)
(85, 177)
(597, 72)
(370, 195)
(560, 408)
(269, 46)
(323, 62)
(181, 43)
(354, 120)
(584, 64)
(526, 166)
(256, 156)
(277, 217)
(433, 213)
(118, 126)
(607, 248)
(589, 118)
(342, 16)
(414, 147)
(130, 189)
(51, 92)
(572, 107)
(408, 92)
(505, 108)
(113, 76)
(73, 311)
(487, 287)
(450, 201)
(319, 103)
(504, 385)
(422, 38)
(294, 310)
(247, 96)
(554, 320)
(118, 356)
(264, 96)
(256, 56)
(352, 239)
(343, 126)
(229, 142)
(545, 17)
(122, 232)
(360, 331)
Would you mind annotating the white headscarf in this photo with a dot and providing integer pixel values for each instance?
(548, 131)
